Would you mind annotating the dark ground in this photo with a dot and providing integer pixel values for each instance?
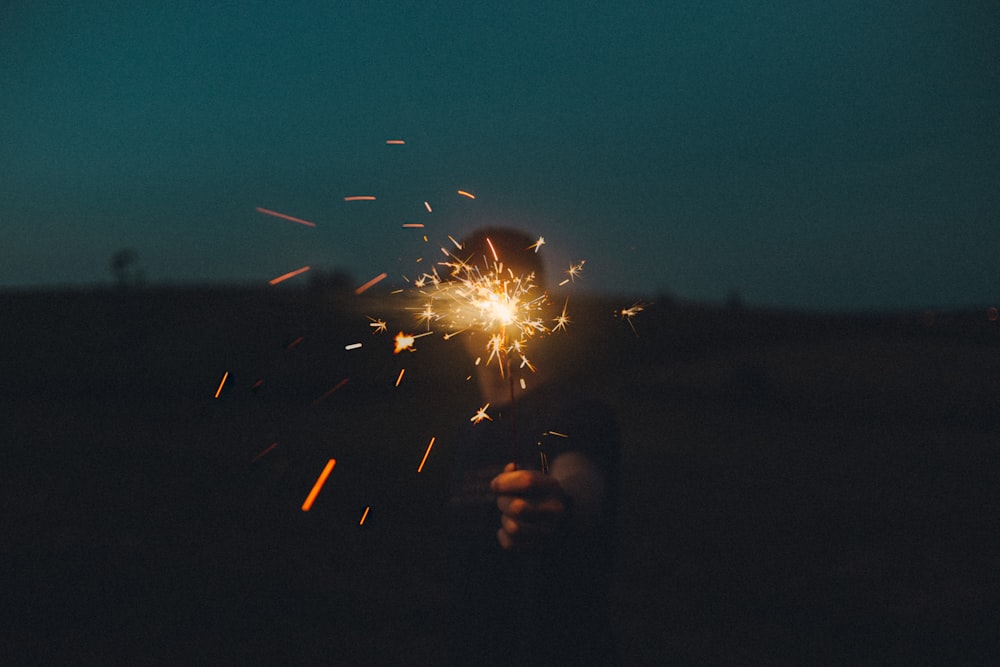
(795, 488)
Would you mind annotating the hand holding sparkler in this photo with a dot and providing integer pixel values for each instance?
(533, 507)
(536, 508)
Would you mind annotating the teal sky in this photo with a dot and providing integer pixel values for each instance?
(807, 154)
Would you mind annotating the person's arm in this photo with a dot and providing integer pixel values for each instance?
(535, 507)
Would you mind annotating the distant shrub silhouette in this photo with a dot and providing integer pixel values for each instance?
(124, 269)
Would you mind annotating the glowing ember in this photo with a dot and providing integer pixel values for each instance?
(480, 415)
(370, 283)
(285, 217)
(311, 498)
(327, 393)
(403, 342)
(286, 276)
(628, 313)
(266, 451)
(424, 460)
(219, 390)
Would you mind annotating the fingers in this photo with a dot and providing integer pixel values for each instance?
(528, 522)
(524, 483)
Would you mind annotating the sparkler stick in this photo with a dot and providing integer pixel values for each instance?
(320, 481)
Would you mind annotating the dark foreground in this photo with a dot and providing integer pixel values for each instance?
(794, 489)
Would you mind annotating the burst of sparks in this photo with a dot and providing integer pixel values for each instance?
(563, 319)
(574, 271)
(405, 341)
(378, 325)
(537, 244)
(480, 415)
(320, 481)
(628, 313)
(484, 296)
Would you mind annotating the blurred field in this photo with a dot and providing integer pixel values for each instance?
(795, 488)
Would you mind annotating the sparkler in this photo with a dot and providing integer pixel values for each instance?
(482, 292)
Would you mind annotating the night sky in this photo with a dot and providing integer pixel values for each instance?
(804, 154)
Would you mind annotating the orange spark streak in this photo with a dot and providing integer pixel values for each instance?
(266, 450)
(330, 391)
(352, 346)
(290, 274)
(219, 390)
(286, 217)
(413, 225)
(466, 194)
(429, 445)
(371, 282)
(364, 516)
(295, 342)
(400, 378)
(395, 142)
(307, 505)
(492, 250)
(427, 206)
(360, 198)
